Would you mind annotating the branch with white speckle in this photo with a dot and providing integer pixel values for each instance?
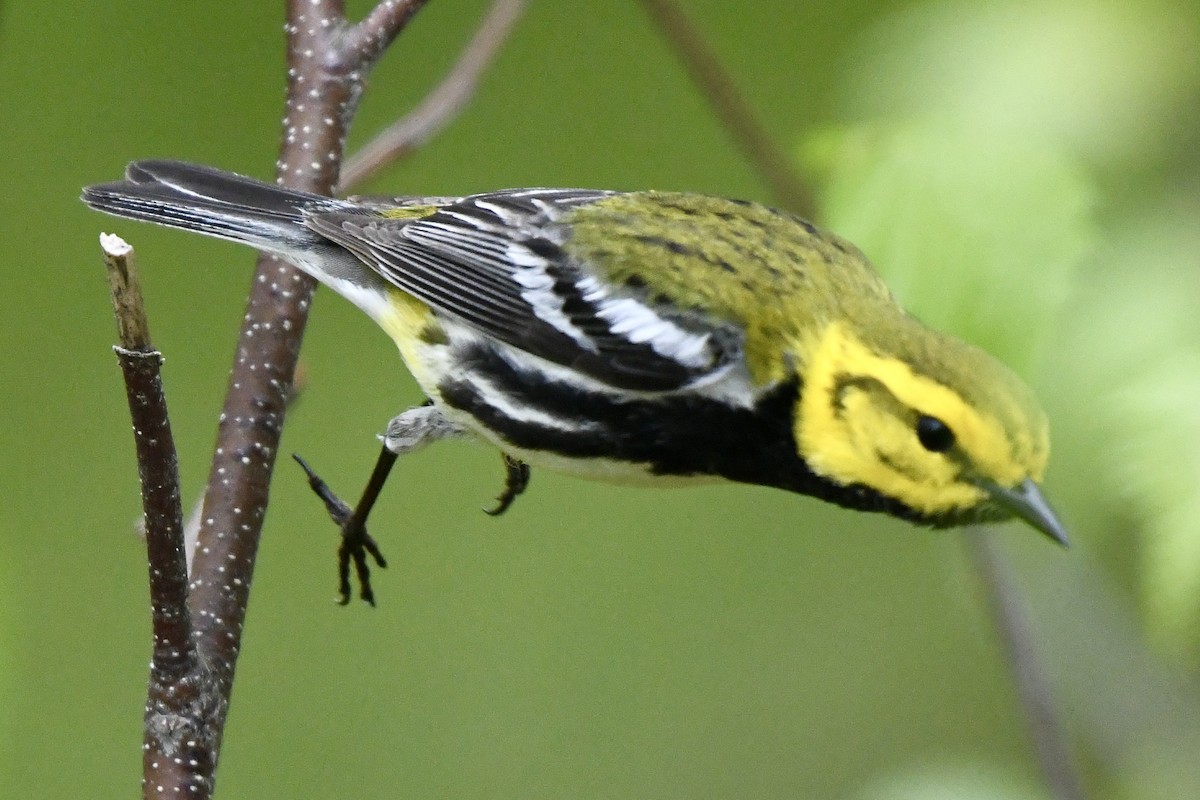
(172, 725)
(197, 641)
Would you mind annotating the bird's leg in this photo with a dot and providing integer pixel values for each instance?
(356, 544)
(410, 431)
(516, 479)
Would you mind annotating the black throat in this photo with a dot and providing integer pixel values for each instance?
(674, 433)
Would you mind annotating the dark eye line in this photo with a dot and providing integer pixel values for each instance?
(933, 434)
(844, 383)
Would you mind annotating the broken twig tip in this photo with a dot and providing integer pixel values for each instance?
(114, 245)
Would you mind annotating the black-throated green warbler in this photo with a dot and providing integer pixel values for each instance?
(647, 337)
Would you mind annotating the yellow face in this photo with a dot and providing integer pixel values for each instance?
(878, 420)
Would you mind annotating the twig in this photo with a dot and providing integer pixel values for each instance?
(174, 654)
(187, 709)
(360, 46)
(442, 104)
(327, 64)
(1012, 623)
(125, 291)
(710, 76)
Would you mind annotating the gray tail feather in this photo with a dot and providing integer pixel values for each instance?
(212, 202)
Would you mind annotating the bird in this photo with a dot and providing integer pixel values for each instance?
(648, 338)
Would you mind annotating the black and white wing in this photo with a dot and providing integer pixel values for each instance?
(497, 262)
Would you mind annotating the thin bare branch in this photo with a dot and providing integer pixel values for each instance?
(191, 526)
(1013, 626)
(710, 76)
(361, 45)
(125, 291)
(440, 106)
(326, 65)
(158, 466)
(173, 654)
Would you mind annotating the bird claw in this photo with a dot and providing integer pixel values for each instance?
(356, 545)
(516, 480)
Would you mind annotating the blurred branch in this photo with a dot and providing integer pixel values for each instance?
(1012, 623)
(1003, 600)
(704, 67)
(174, 655)
(442, 104)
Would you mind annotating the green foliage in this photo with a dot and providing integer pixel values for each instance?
(1149, 407)
(992, 135)
(1010, 193)
(977, 233)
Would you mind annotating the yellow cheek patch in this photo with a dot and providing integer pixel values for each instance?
(851, 436)
(873, 428)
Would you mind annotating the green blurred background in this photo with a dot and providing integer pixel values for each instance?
(1025, 173)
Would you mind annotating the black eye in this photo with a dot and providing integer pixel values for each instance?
(934, 435)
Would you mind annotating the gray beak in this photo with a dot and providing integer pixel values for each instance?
(1025, 501)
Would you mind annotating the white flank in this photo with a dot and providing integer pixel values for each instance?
(373, 303)
(504, 403)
